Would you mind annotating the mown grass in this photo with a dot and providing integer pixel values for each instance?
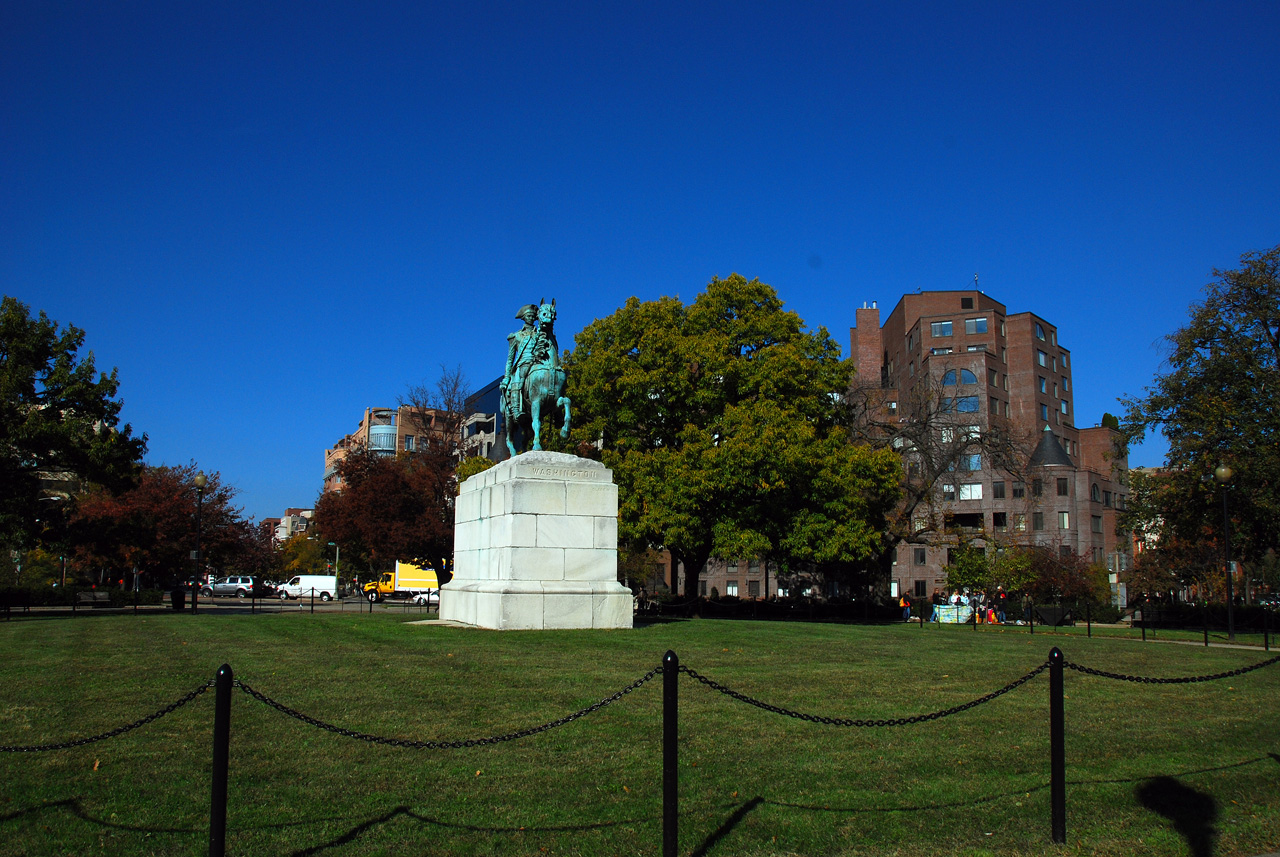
(1147, 764)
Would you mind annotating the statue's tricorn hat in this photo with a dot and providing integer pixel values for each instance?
(527, 308)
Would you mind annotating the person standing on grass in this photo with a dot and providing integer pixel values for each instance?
(1001, 598)
(905, 604)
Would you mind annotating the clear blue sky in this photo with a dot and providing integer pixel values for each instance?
(270, 216)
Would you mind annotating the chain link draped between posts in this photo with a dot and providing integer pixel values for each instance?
(120, 730)
(447, 745)
(1181, 680)
(841, 721)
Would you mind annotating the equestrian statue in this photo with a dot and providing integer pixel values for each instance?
(534, 378)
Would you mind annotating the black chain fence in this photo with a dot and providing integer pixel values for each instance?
(225, 683)
(619, 695)
(447, 745)
(841, 721)
(80, 742)
(1181, 680)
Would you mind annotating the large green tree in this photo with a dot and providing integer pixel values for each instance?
(59, 420)
(1217, 404)
(720, 421)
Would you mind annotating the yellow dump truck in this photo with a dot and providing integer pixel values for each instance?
(408, 581)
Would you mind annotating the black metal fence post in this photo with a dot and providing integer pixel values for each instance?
(221, 747)
(670, 755)
(1088, 619)
(1057, 750)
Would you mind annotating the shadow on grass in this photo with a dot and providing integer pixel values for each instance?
(978, 801)
(72, 805)
(404, 812)
(724, 829)
(1192, 813)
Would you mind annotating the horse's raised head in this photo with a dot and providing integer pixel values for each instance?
(547, 312)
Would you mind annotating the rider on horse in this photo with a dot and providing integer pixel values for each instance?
(520, 356)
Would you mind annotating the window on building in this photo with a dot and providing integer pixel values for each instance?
(936, 351)
(1044, 412)
(971, 461)
(1037, 521)
(753, 566)
(731, 588)
(919, 589)
(961, 405)
(702, 588)
(1066, 382)
(971, 491)
(997, 489)
(940, 328)
(981, 346)
(1019, 490)
(1095, 493)
(999, 521)
(1004, 355)
(1064, 406)
(911, 341)
(1064, 360)
(993, 407)
(993, 378)
(1106, 499)
(1019, 523)
(1037, 488)
(1064, 486)
(975, 325)
(1044, 386)
(1064, 520)
(753, 588)
(920, 555)
(1042, 358)
(1039, 331)
(1095, 524)
(966, 303)
(891, 407)
(948, 493)
(408, 443)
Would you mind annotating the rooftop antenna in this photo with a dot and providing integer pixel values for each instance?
(975, 281)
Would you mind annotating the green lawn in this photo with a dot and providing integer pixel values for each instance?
(1149, 767)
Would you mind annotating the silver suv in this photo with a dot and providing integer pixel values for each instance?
(240, 587)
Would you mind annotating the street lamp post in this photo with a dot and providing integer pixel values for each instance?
(1223, 475)
(200, 481)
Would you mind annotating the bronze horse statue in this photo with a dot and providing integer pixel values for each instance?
(542, 387)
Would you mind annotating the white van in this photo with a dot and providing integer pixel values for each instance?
(322, 586)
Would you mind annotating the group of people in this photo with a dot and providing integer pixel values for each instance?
(988, 607)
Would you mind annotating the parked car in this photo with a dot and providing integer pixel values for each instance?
(237, 585)
(322, 586)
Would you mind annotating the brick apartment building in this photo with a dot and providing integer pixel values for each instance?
(383, 431)
(1008, 372)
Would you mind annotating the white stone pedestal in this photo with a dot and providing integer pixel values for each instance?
(536, 546)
